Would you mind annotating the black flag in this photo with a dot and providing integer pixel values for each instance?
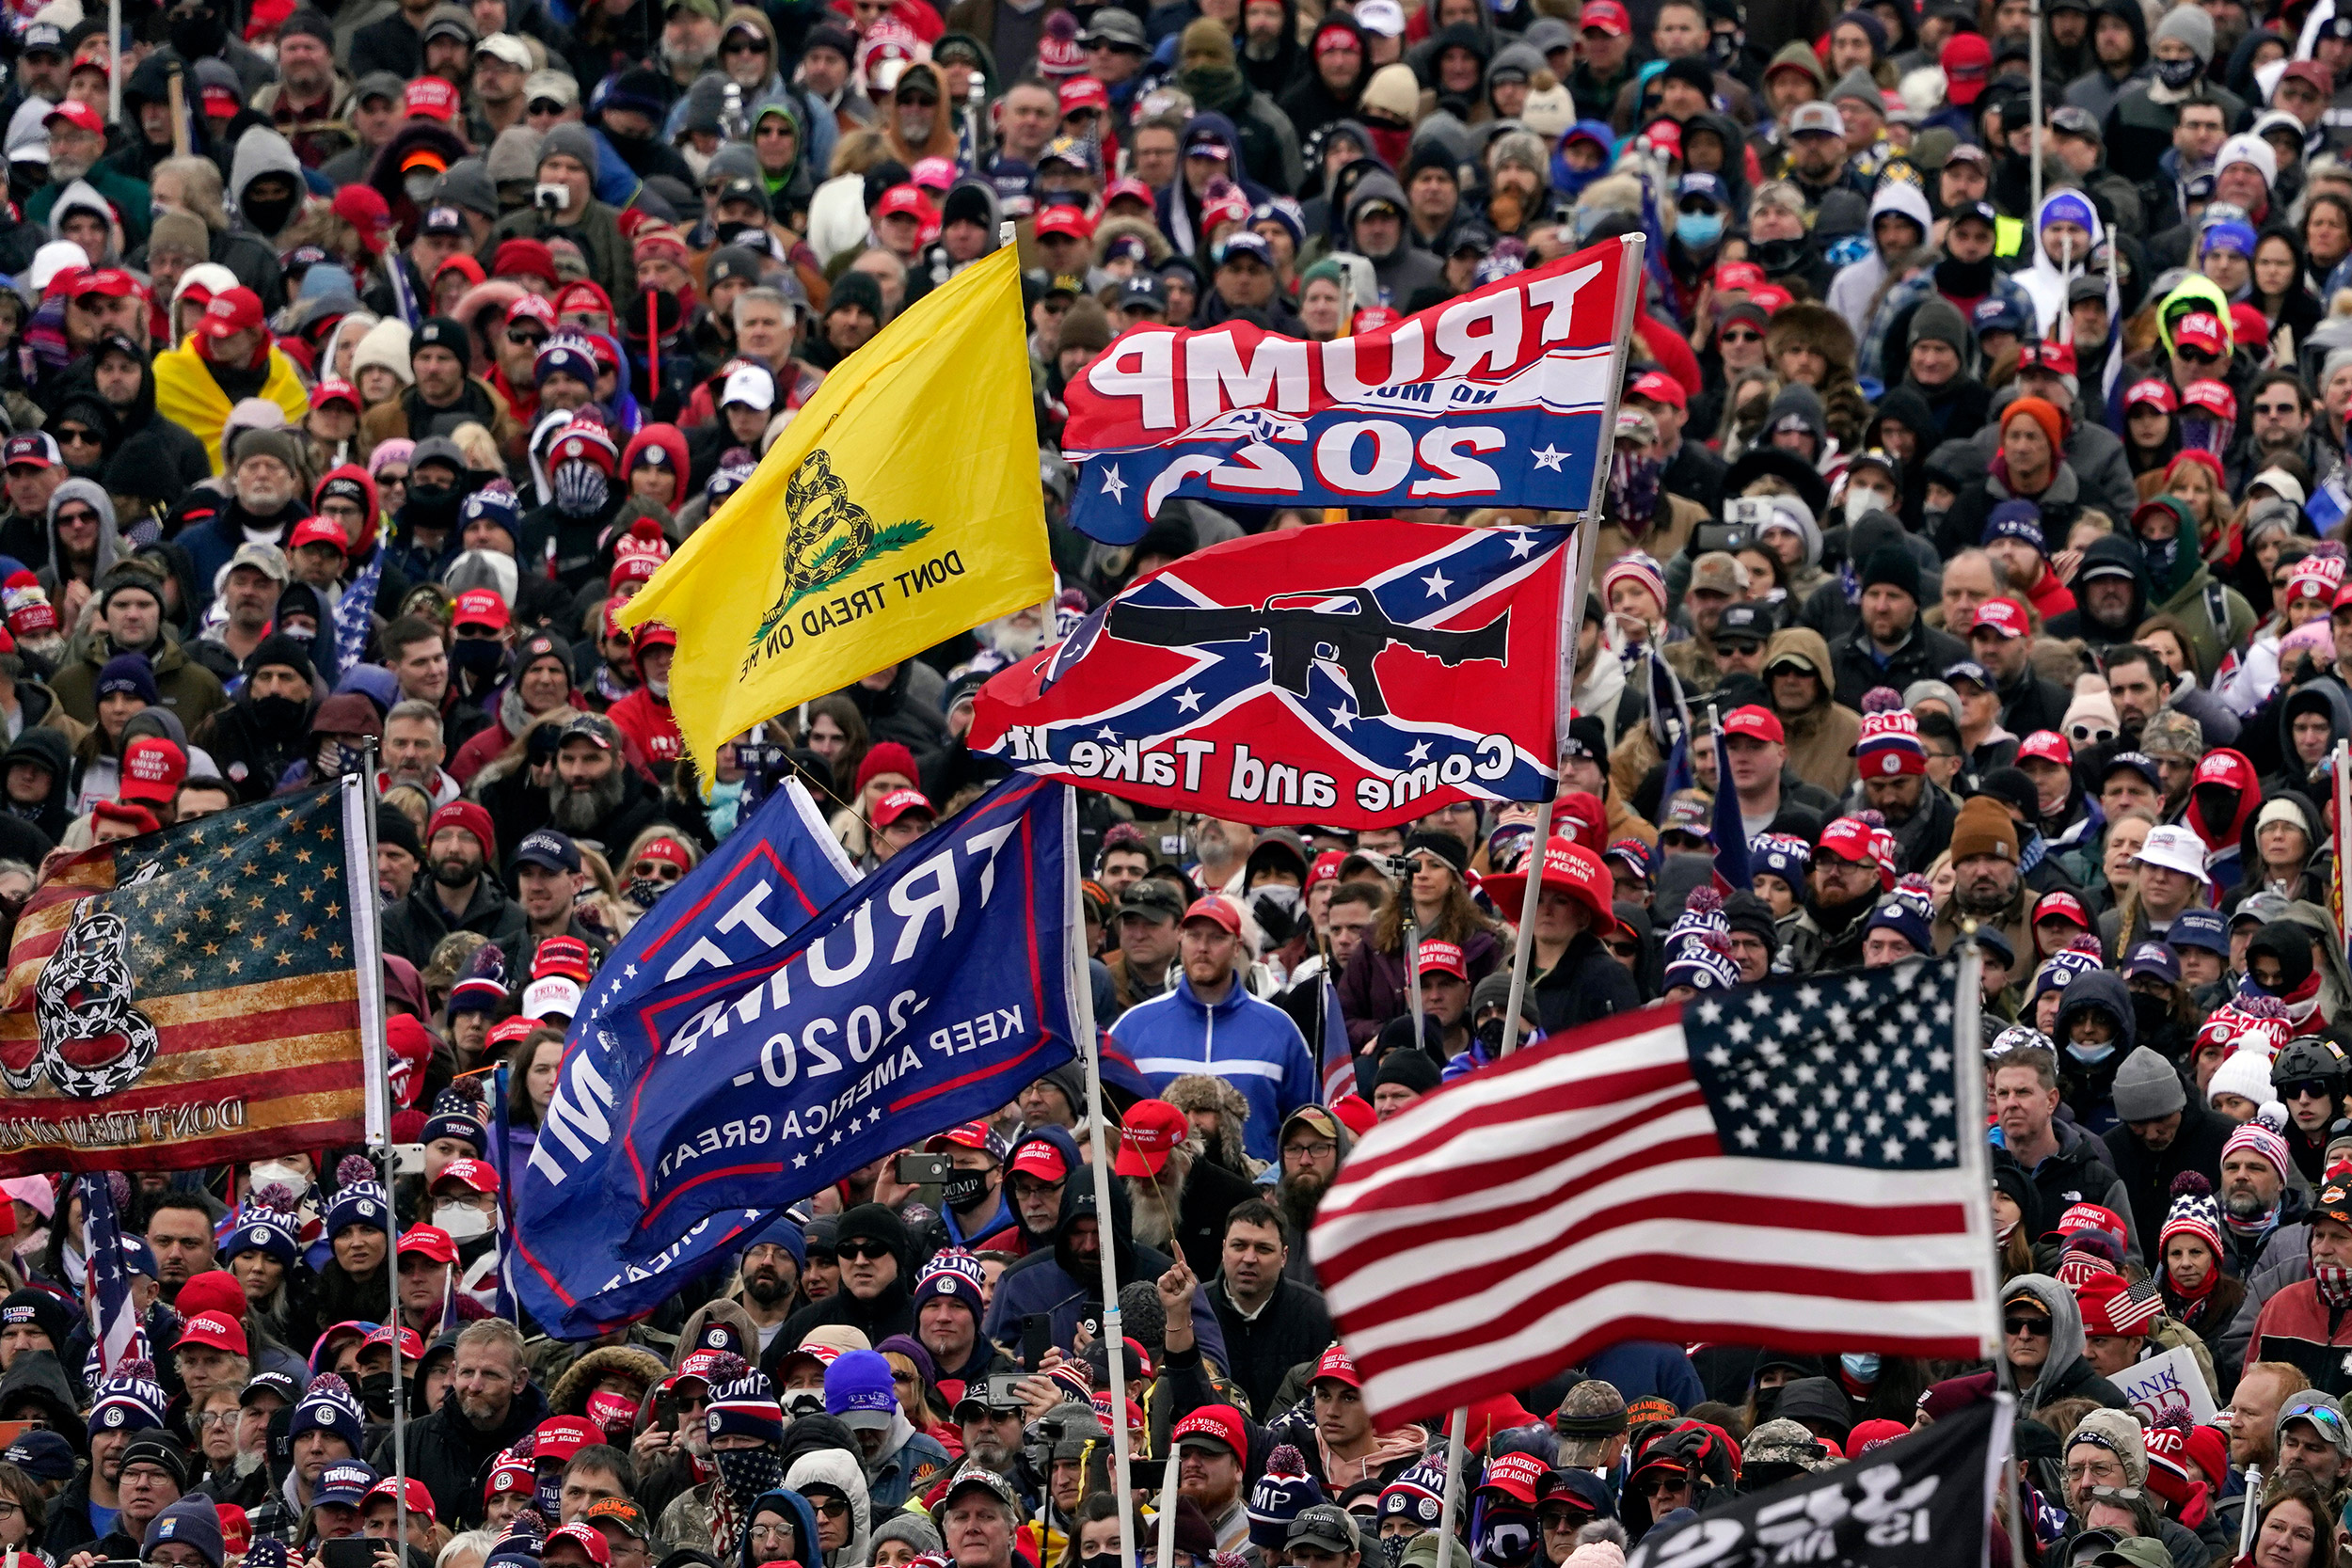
(1921, 1501)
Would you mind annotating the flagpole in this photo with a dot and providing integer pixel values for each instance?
(367, 905)
(1975, 1157)
(1081, 982)
(1412, 969)
(1457, 1461)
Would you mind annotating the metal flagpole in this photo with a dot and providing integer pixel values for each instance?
(1456, 1459)
(2033, 142)
(1081, 982)
(113, 60)
(366, 898)
(1976, 1159)
(1412, 966)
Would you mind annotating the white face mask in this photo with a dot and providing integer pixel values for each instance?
(288, 1176)
(463, 1224)
(1861, 502)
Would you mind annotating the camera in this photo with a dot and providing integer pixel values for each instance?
(550, 198)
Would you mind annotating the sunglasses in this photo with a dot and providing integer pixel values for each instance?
(868, 1252)
(2303, 1088)
(77, 515)
(2089, 735)
(1741, 337)
(830, 1508)
(69, 436)
(2038, 1327)
(660, 871)
(1656, 1486)
(526, 339)
(545, 107)
(2279, 410)
(1623, 949)
(2195, 355)
(774, 130)
(746, 46)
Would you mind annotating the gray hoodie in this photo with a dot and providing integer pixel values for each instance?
(2066, 1340)
(93, 495)
(261, 150)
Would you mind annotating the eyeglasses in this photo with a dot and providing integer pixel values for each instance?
(830, 1508)
(1741, 337)
(2278, 409)
(1658, 1486)
(772, 1532)
(1307, 1151)
(209, 1419)
(2038, 1327)
(744, 46)
(1564, 1518)
(69, 436)
(76, 515)
(853, 1252)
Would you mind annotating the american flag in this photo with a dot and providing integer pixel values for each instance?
(1783, 1163)
(116, 1333)
(355, 614)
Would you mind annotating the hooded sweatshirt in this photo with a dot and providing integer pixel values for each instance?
(1820, 739)
(833, 1467)
(2064, 1375)
(1855, 290)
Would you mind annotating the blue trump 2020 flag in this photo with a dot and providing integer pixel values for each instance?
(928, 995)
(763, 882)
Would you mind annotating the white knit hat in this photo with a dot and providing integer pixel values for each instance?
(2241, 1072)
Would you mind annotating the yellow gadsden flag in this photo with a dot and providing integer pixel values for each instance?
(900, 507)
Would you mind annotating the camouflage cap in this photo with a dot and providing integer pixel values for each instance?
(2173, 733)
(1592, 1409)
(1786, 1442)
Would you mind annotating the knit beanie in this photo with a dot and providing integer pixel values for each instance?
(1407, 1069)
(1277, 1495)
(1984, 827)
(2147, 1087)
(2193, 1212)
(913, 1529)
(2042, 413)
(1893, 566)
(2246, 1074)
(360, 1198)
(954, 1273)
(38, 1309)
(2119, 1433)
(328, 1405)
(1703, 962)
(129, 672)
(131, 1400)
(1907, 912)
(1744, 911)
(2257, 1136)
(885, 756)
(569, 139)
(1417, 1493)
(858, 1389)
(2192, 25)
(1939, 321)
(872, 1222)
(743, 1404)
(266, 1224)
(455, 1116)
(192, 1521)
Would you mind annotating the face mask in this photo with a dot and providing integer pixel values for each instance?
(1931, 518)
(2150, 1014)
(732, 233)
(962, 1188)
(1722, 49)
(430, 505)
(547, 1494)
(1777, 256)
(1105, 1560)
(1861, 503)
(375, 1394)
(477, 656)
(269, 215)
(581, 489)
(613, 1413)
(2089, 1056)
(1698, 231)
(803, 1402)
(1490, 1034)
(1968, 279)
(198, 36)
(644, 891)
(463, 1224)
(280, 1176)
(1863, 1367)
(2217, 804)
(280, 716)
(2177, 74)
(1392, 1550)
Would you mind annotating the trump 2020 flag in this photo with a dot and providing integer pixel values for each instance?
(1362, 673)
(743, 902)
(1923, 1500)
(1495, 398)
(901, 509)
(927, 995)
(1784, 1162)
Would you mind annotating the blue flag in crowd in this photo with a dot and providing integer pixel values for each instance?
(928, 995)
(355, 614)
(780, 867)
(1668, 723)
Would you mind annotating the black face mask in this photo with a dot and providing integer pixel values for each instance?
(1968, 279)
(2177, 74)
(732, 233)
(375, 1394)
(477, 656)
(1490, 1034)
(267, 213)
(198, 34)
(280, 716)
(2151, 1014)
(963, 1188)
(1777, 256)
(430, 505)
(2217, 804)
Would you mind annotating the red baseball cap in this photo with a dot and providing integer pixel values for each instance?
(319, 530)
(902, 802)
(559, 1437)
(1444, 958)
(152, 767)
(419, 1495)
(1515, 1474)
(1605, 16)
(78, 115)
(113, 282)
(1065, 222)
(332, 391)
(2155, 391)
(1336, 1363)
(1221, 1422)
(2005, 616)
(586, 1537)
(430, 1239)
(2201, 329)
(232, 310)
(1326, 867)
(1215, 909)
(1657, 386)
(217, 1329)
(221, 100)
(480, 1175)
(1042, 1160)
(430, 97)
(1153, 1129)
(481, 607)
(2041, 354)
(1738, 274)
(1082, 92)
(2214, 397)
(411, 1342)
(907, 200)
(2061, 905)
(2048, 746)
(1757, 723)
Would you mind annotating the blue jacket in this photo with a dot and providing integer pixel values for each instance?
(1067, 1285)
(1252, 1044)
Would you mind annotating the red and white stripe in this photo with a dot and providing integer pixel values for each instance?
(1511, 1223)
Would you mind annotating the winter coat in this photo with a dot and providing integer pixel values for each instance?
(1586, 984)
(2147, 1177)
(185, 686)
(1821, 740)
(414, 927)
(1293, 1326)
(447, 1451)
(1239, 1038)
(1068, 1286)
(2064, 1375)
(1372, 990)
(2297, 1327)
(1856, 667)
(832, 1467)
(2117, 549)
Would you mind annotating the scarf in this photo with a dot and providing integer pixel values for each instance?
(2334, 1283)
(2253, 1231)
(2185, 1304)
